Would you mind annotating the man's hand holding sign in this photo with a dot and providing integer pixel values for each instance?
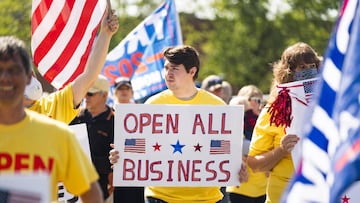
(180, 145)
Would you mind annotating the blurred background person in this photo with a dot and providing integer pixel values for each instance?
(213, 84)
(227, 91)
(254, 189)
(123, 93)
(99, 119)
(255, 102)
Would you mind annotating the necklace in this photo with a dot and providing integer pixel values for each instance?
(188, 98)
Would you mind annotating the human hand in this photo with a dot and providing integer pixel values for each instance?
(113, 156)
(110, 22)
(288, 142)
(243, 173)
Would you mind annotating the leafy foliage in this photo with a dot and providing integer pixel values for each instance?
(239, 43)
(15, 19)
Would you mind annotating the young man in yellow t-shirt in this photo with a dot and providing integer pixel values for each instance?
(181, 70)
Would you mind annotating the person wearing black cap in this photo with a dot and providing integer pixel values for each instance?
(213, 84)
(123, 91)
(123, 94)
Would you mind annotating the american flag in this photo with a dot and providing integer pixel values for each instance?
(135, 145)
(300, 91)
(309, 90)
(62, 35)
(331, 150)
(220, 147)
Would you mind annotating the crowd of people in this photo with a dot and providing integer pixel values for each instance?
(36, 125)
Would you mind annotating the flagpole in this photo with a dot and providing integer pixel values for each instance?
(178, 23)
(109, 9)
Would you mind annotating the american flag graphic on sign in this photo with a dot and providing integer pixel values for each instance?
(63, 32)
(135, 145)
(220, 147)
(309, 89)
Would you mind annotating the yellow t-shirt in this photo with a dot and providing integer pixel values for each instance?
(58, 105)
(43, 144)
(254, 187)
(265, 138)
(185, 194)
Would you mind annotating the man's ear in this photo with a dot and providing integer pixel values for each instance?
(105, 94)
(192, 71)
(28, 78)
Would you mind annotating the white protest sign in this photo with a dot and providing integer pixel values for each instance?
(178, 145)
(82, 136)
(351, 194)
(301, 93)
(30, 188)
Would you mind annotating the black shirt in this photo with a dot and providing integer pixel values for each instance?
(101, 134)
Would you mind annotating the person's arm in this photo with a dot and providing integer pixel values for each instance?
(93, 195)
(243, 173)
(96, 59)
(267, 161)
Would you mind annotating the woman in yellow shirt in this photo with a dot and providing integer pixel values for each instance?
(270, 148)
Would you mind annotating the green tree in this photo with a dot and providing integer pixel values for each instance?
(247, 39)
(15, 19)
(242, 44)
(309, 21)
(239, 43)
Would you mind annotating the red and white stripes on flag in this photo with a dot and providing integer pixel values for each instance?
(63, 32)
(135, 145)
(220, 147)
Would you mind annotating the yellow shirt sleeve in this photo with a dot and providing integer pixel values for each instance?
(58, 105)
(265, 138)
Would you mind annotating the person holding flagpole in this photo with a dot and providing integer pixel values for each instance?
(270, 148)
(63, 105)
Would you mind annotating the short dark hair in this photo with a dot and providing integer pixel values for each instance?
(12, 47)
(183, 54)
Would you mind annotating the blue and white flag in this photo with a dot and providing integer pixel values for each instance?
(139, 55)
(331, 150)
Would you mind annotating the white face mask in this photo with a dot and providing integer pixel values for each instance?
(305, 74)
(33, 90)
